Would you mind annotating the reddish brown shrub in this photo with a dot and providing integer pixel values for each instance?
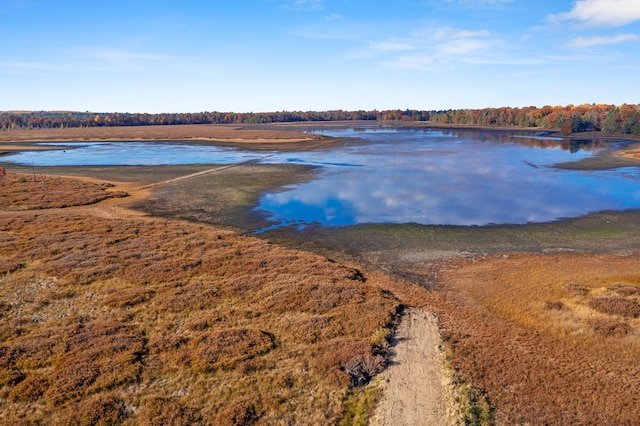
(339, 360)
(165, 411)
(554, 306)
(71, 382)
(58, 294)
(9, 266)
(128, 297)
(531, 369)
(99, 410)
(610, 327)
(10, 375)
(224, 348)
(616, 306)
(625, 290)
(19, 193)
(200, 301)
(194, 295)
(29, 390)
(313, 328)
(240, 412)
(167, 342)
(100, 356)
(35, 350)
(577, 290)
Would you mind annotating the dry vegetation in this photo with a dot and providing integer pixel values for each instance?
(147, 321)
(186, 132)
(551, 339)
(32, 192)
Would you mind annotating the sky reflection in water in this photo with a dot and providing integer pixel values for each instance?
(457, 177)
(454, 178)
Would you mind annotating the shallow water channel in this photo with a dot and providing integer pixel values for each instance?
(426, 176)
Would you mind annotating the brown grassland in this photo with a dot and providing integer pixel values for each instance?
(257, 137)
(113, 317)
(552, 339)
(149, 321)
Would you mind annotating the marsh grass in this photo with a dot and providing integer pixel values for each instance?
(21, 192)
(142, 321)
(550, 339)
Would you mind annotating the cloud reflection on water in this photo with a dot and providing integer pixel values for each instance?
(430, 179)
(461, 177)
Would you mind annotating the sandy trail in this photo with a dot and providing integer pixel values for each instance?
(204, 172)
(416, 388)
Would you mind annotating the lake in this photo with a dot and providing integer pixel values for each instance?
(426, 176)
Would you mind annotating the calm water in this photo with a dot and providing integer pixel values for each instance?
(457, 178)
(399, 176)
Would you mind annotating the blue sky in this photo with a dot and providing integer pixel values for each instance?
(272, 55)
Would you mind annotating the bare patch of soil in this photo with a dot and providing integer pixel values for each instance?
(633, 153)
(416, 386)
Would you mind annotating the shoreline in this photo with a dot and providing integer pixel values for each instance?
(202, 133)
(291, 137)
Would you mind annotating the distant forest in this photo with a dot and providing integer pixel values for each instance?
(623, 119)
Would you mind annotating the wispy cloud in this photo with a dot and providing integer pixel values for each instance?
(90, 59)
(611, 13)
(38, 66)
(458, 42)
(440, 46)
(120, 56)
(334, 17)
(304, 5)
(603, 40)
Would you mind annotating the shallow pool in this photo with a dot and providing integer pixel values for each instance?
(426, 176)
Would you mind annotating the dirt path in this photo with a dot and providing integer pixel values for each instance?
(204, 172)
(416, 388)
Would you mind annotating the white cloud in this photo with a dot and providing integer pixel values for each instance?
(441, 46)
(603, 40)
(602, 12)
(304, 5)
(453, 42)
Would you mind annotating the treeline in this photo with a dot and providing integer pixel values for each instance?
(623, 119)
(61, 119)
